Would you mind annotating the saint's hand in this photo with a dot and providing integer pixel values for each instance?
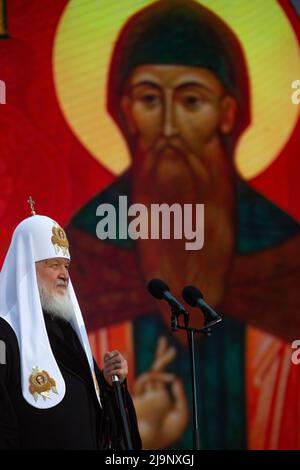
(160, 402)
(114, 364)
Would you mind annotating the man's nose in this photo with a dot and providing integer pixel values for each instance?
(169, 127)
(64, 273)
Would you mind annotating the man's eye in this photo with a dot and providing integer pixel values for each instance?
(149, 99)
(192, 101)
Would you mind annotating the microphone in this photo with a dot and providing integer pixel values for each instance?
(194, 297)
(115, 378)
(160, 290)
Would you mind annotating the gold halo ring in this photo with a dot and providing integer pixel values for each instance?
(83, 46)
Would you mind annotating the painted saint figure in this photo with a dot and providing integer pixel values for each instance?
(178, 89)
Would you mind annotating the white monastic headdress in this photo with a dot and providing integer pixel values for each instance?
(35, 239)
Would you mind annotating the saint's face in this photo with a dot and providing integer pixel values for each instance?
(176, 115)
(53, 273)
(185, 106)
(40, 379)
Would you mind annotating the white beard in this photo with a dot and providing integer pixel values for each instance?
(58, 306)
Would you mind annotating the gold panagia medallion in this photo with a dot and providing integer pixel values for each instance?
(59, 240)
(41, 384)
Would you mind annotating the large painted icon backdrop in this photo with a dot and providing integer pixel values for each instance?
(169, 102)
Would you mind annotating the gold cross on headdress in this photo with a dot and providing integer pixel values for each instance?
(31, 203)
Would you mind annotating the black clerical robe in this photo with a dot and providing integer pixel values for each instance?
(77, 422)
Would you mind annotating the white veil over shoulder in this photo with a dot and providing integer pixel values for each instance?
(37, 238)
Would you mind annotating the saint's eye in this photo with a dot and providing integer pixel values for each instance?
(192, 101)
(150, 99)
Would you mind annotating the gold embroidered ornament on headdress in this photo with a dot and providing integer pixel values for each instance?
(41, 384)
(59, 240)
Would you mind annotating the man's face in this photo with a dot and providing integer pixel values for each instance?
(173, 107)
(176, 115)
(53, 274)
(40, 379)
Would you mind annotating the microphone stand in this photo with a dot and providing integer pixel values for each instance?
(119, 397)
(205, 330)
(196, 435)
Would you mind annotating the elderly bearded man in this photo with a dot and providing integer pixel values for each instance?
(52, 393)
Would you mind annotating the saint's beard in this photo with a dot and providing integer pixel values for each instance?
(57, 305)
(174, 176)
